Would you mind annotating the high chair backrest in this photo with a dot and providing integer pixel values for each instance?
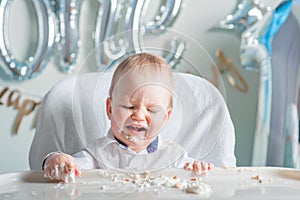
(73, 115)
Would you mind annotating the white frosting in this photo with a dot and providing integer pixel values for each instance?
(141, 181)
(130, 136)
(199, 188)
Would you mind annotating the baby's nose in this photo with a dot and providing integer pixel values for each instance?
(138, 115)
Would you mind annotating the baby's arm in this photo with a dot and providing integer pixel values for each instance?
(60, 166)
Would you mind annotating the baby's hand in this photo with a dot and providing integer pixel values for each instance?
(61, 167)
(199, 167)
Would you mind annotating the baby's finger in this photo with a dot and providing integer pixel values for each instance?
(210, 166)
(77, 171)
(69, 175)
(55, 173)
(197, 167)
(47, 172)
(206, 166)
(188, 166)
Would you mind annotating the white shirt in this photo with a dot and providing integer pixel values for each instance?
(107, 152)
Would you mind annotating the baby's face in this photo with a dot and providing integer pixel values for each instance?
(138, 110)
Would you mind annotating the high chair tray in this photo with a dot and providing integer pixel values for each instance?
(219, 183)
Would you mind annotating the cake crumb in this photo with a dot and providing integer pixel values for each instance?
(259, 179)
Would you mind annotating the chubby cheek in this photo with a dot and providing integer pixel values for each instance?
(114, 127)
(157, 123)
(118, 118)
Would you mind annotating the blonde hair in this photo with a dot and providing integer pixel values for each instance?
(141, 62)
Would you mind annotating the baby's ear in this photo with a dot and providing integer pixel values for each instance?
(168, 114)
(108, 108)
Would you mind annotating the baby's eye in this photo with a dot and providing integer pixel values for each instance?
(128, 107)
(153, 110)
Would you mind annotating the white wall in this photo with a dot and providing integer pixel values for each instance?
(195, 20)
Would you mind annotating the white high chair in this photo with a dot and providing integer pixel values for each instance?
(73, 115)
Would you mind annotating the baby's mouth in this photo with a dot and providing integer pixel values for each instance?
(136, 129)
(135, 133)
